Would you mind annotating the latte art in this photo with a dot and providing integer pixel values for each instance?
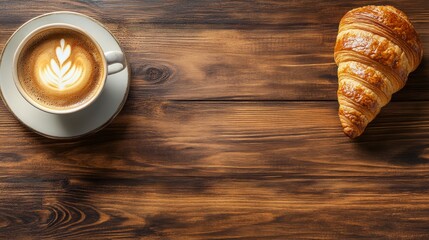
(60, 74)
(61, 68)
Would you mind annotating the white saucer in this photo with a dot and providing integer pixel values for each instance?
(89, 120)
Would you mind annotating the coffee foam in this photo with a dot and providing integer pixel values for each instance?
(60, 68)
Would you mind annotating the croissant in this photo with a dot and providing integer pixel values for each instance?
(376, 49)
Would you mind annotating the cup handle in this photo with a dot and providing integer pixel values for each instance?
(115, 61)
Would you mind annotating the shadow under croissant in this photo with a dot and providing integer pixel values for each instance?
(417, 87)
(400, 125)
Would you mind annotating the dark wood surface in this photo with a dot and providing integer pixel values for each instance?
(230, 132)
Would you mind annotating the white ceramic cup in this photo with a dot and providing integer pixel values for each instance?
(113, 61)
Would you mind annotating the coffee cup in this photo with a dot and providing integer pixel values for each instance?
(60, 68)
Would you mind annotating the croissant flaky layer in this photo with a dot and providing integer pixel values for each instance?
(376, 49)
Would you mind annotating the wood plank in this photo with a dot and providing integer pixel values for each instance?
(234, 50)
(220, 170)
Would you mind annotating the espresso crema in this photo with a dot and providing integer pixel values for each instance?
(60, 68)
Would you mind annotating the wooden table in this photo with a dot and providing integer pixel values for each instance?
(230, 131)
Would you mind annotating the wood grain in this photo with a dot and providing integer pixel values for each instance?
(209, 170)
(245, 50)
(230, 132)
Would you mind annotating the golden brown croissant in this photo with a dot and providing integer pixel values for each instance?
(376, 49)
